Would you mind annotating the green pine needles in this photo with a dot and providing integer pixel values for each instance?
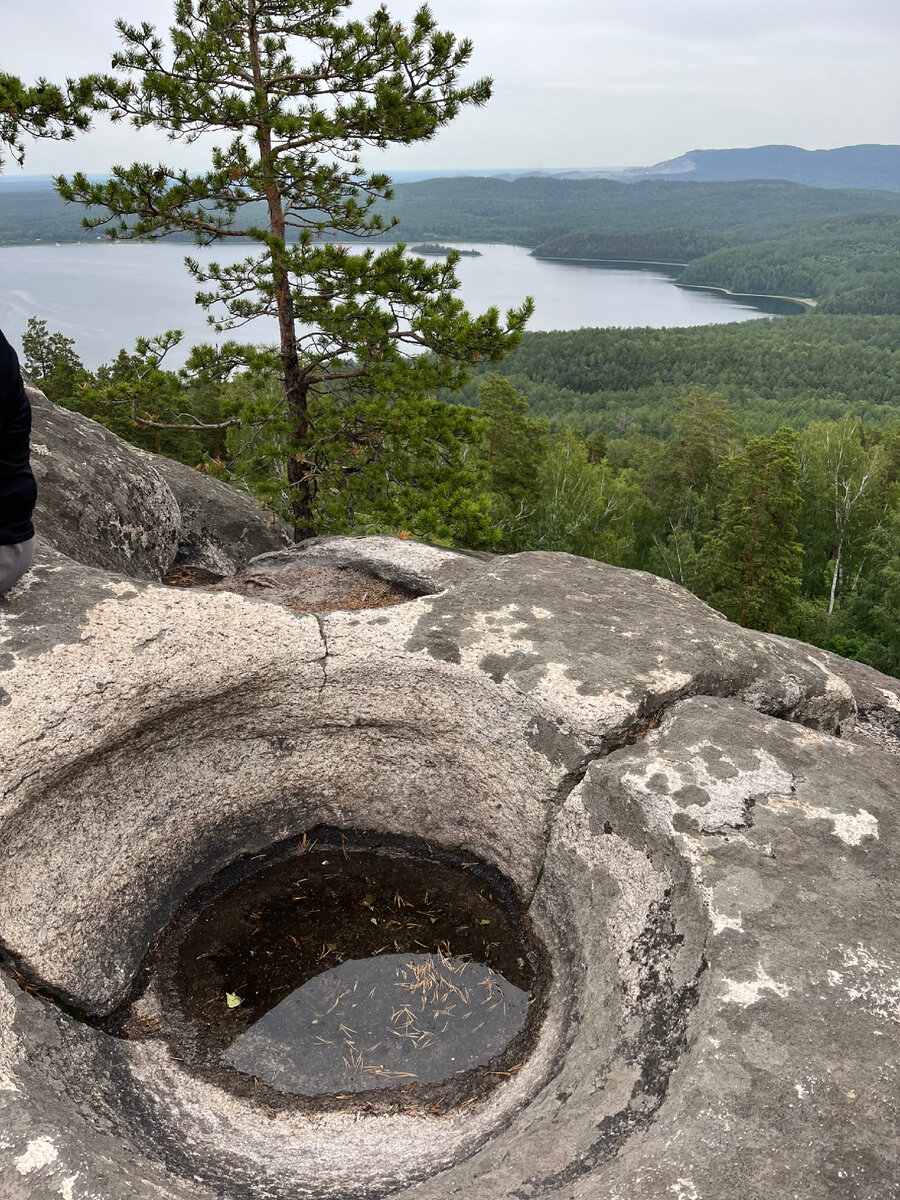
(42, 110)
(295, 91)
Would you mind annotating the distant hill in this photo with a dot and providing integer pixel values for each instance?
(838, 246)
(848, 166)
(534, 209)
(869, 167)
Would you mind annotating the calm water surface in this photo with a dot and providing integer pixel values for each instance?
(341, 970)
(382, 1023)
(106, 296)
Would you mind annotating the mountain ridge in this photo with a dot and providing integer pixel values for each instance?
(869, 166)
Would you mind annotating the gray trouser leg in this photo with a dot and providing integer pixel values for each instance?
(14, 562)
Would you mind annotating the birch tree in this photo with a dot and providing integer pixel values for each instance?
(583, 508)
(840, 477)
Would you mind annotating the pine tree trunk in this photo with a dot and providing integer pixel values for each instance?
(299, 469)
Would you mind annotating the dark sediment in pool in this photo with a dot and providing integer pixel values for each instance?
(348, 970)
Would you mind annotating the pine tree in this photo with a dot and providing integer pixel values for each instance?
(51, 360)
(705, 432)
(514, 448)
(359, 326)
(705, 429)
(684, 481)
(749, 567)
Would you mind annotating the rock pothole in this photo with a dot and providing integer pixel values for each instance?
(301, 586)
(346, 970)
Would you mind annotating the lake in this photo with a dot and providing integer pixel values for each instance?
(105, 296)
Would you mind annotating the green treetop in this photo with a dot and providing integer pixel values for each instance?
(514, 449)
(685, 482)
(356, 328)
(842, 477)
(875, 606)
(750, 566)
(582, 507)
(705, 432)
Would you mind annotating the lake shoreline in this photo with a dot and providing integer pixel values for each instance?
(611, 262)
(806, 304)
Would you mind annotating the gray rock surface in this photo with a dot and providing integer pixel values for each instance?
(220, 528)
(100, 501)
(412, 565)
(107, 504)
(699, 819)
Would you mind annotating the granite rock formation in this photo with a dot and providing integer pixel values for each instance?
(107, 504)
(702, 820)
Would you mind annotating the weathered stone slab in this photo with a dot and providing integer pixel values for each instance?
(737, 870)
(108, 504)
(791, 1067)
(100, 501)
(220, 528)
(160, 731)
(419, 568)
(604, 648)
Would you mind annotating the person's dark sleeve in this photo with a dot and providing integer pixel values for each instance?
(18, 492)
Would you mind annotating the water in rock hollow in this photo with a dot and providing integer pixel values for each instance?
(343, 969)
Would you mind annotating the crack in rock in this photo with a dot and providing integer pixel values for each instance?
(320, 621)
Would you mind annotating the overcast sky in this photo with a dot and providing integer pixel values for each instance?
(577, 83)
